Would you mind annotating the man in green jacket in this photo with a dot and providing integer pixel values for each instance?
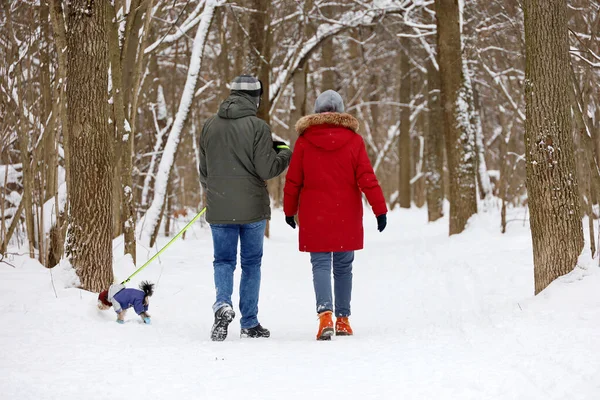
(237, 157)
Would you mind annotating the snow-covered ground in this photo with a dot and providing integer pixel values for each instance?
(434, 318)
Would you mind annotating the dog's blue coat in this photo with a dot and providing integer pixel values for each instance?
(129, 297)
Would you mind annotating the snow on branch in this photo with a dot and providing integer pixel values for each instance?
(152, 217)
(192, 20)
(350, 19)
(497, 78)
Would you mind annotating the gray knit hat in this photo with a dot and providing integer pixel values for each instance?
(329, 101)
(247, 84)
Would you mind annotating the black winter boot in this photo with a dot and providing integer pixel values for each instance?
(223, 318)
(257, 332)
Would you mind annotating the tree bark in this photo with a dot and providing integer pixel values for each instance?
(220, 16)
(328, 77)
(260, 53)
(60, 44)
(483, 179)
(257, 36)
(50, 158)
(434, 150)
(259, 61)
(460, 139)
(128, 205)
(89, 236)
(118, 114)
(552, 184)
(23, 134)
(404, 142)
(300, 81)
(27, 175)
(130, 44)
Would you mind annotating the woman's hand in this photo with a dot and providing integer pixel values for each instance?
(381, 222)
(291, 221)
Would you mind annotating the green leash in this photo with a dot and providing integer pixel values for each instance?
(154, 257)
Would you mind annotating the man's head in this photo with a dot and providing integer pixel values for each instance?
(249, 85)
(329, 101)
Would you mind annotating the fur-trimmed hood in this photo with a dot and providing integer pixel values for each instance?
(328, 131)
(341, 120)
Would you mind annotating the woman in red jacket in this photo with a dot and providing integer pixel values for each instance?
(329, 170)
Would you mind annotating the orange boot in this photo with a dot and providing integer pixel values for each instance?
(342, 327)
(325, 326)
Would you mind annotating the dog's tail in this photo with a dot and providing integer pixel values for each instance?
(147, 288)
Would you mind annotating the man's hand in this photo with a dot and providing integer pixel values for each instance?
(278, 146)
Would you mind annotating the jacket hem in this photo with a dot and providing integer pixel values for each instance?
(241, 222)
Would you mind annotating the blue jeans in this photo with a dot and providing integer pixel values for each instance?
(342, 278)
(225, 242)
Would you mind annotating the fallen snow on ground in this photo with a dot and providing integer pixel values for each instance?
(434, 318)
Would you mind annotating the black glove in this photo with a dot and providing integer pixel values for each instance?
(291, 221)
(278, 146)
(381, 222)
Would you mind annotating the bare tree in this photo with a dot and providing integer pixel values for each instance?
(456, 101)
(404, 145)
(552, 183)
(434, 146)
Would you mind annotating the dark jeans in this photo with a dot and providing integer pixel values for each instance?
(342, 278)
(225, 242)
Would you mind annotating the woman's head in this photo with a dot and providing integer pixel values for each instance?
(329, 101)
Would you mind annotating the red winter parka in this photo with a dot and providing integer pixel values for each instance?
(328, 171)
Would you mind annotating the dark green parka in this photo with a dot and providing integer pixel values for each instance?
(236, 160)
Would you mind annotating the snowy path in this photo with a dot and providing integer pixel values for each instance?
(434, 318)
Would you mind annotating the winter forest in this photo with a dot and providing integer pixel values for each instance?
(481, 119)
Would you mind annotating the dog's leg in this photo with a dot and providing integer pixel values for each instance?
(121, 317)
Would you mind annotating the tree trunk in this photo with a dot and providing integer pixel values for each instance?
(259, 61)
(483, 179)
(552, 184)
(300, 82)
(503, 180)
(130, 44)
(418, 186)
(257, 36)
(328, 77)
(225, 78)
(404, 146)
(128, 205)
(27, 175)
(23, 135)
(434, 150)
(460, 139)
(89, 236)
(50, 159)
(584, 127)
(60, 44)
(299, 101)
(260, 53)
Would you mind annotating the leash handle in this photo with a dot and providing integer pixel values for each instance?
(154, 257)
